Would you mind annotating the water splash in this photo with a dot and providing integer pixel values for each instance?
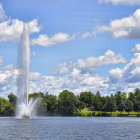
(24, 108)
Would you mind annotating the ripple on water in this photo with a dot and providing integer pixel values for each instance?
(70, 128)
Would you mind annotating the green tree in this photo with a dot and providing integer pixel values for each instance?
(110, 105)
(121, 107)
(51, 102)
(120, 97)
(137, 91)
(97, 103)
(137, 94)
(132, 97)
(87, 98)
(5, 107)
(137, 106)
(36, 95)
(67, 102)
(12, 99)
(129, 106)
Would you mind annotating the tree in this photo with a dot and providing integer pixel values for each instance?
(110, 105)
(67, 102)
(12, 99)
(97, 103)
(87, 98)
(51, 102)
(36, 95)
(120, 97)
(131, 97)
(129, 106)
(137, 91)
(137, 106)
(121, 107)
(137, 94)
(5, 107)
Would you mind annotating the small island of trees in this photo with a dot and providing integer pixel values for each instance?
(84, 104)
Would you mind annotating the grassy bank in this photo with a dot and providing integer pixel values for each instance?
(87, 113)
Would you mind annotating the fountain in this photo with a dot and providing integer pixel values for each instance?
(25, 109)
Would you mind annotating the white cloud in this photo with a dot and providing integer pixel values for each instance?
(75, 73)
(11, 30)
(74, 81)
(35, 76)
(125, 2)
(127, 77)
(94, 81)
(45, 40)
(87, 65)
(137, 48)
(115, 75)
(128, 27)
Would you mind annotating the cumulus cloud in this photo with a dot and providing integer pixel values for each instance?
(74, 81)
(45, 40)
(127, 77)
(87, 65)
(11, 29)
(137, 48)
(95, 81)
(128, 27)
(125, 2)
(115, 75)
(8, 77)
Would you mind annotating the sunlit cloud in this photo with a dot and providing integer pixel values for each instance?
(128, 27)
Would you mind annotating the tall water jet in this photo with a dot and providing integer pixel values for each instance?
(25, 108)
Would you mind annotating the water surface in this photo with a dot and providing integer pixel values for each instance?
(70, 128)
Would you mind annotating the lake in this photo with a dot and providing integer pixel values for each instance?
(70, 128)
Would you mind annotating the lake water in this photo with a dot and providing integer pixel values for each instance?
(70, 128)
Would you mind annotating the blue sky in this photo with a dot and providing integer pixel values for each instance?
(76, 45)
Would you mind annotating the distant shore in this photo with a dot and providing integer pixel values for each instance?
(87, 113)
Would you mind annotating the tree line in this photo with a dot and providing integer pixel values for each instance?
(67, 103)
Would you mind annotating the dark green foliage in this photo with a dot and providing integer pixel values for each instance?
(67, 103)
(97, 103)
(131, 97)
(6, 108)
(51, 102)
(120, 97)
(137, 106)
(137, 92)
(129, 106)
(36, 95)
(121, 106)
(110, 105)
(12, 99)
(87, 98)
